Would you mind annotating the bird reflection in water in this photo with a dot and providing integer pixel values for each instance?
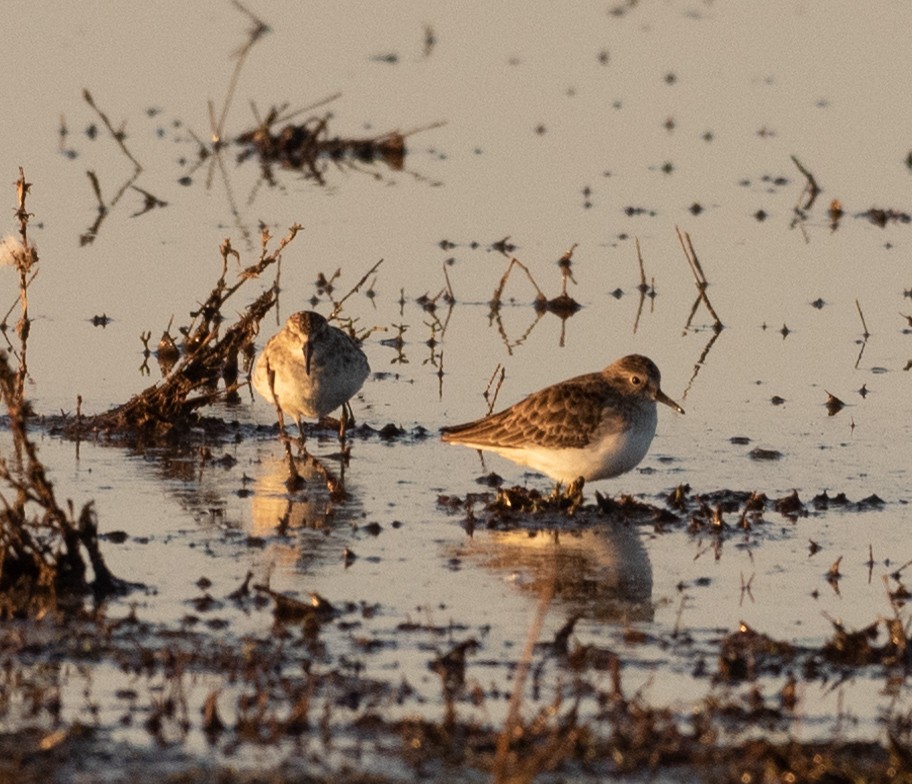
(601, 573)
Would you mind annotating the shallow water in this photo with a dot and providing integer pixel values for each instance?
(547, 144)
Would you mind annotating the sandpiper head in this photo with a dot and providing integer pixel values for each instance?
(307, 325)
(638, 375)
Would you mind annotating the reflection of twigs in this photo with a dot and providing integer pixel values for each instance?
(495, 316)
(118, 136)
(150, 202)
(811, 188)
(450, 296)
(492, 398)
(258, 30)
(642, 288)
(865, 335)
(700, 362)
(89, 235)
(563, 305)
(697, 269)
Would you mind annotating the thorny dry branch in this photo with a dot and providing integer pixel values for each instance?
(210, 354)
(696, 268)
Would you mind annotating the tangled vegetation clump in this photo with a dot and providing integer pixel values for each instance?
(210, 356)
(43, 547)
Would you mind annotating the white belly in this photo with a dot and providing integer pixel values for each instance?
(610, 456)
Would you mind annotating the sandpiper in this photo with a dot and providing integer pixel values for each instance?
(310, 368)
(592, 427)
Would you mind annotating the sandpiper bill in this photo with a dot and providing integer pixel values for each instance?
(592, 427)
(309, 368)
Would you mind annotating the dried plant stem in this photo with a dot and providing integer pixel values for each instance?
(644, 286)
(499, 373)
(26, 257)
(696, 268)
(812, 189)
(194, 380)
(337, 306)
(864, 334)
(498, 292)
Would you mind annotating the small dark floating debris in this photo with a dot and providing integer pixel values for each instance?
(306, 146)
(740, 440)
(881, 217)
(504, 245)
(633, 211)
(833, 404)
(101, 321)
(776, 400)
(450, 666)
(813, 548)
(758, 453)
(818, 303)
(390, 431)
(746, 654)
(115, 537)
(823, 501)
(760, 216)
(790, 506)
(562, 306)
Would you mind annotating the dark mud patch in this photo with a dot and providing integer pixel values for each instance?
(292, 695)
(718, 511)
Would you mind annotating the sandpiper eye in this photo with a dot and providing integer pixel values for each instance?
(636, 380)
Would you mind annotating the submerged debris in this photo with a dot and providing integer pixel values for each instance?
(833, 404)
(310, 146)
